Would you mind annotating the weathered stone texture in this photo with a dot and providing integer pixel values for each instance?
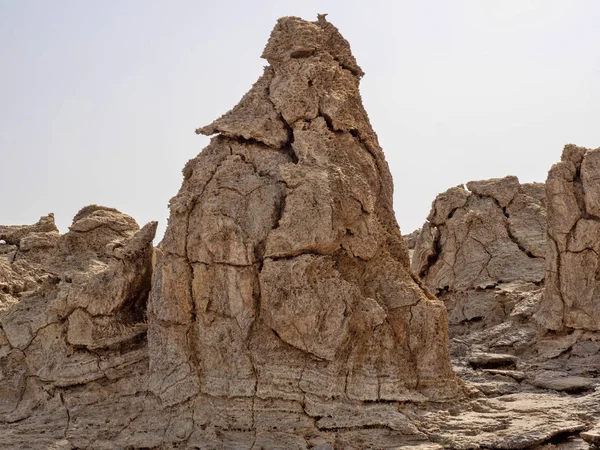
(478, 244)
(280, 310)
(72, 311)
(572, 293)
(283, 276)
(492, 233)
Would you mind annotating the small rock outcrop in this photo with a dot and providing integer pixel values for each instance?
(480, 245)
(411, 241)
(572, 295)
(72, 311)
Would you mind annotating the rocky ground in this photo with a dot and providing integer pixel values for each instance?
(482, 251)
(280, 311)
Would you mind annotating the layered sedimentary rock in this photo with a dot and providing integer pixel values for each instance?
(283, 281)
(572, 294)
(480, 252)
(72, 311)
(481, 245)
(279, 310)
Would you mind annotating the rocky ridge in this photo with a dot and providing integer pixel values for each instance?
(482, 245)
(72, 313)
(480, 252)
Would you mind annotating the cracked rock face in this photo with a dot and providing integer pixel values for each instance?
(72, 311)
(280, 311)
(480, 252)
(572, 295)
(479, 243)
(283, 278)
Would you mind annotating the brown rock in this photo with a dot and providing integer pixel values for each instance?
(518, 421)
(592, 436)
(572, 385)
(411, 241)
(492, 360)
(572, 296)
(72, 310)
(477, 239)
(503, 190)
(283, 313)
(483, 251)
(411, 238)
(12, 234)
(283, 275)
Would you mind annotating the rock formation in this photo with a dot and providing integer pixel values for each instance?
(411, 241)
(481, 251)
(72, 311)
(283, 279)
(572, 294)
(280, 311)
(479, 244)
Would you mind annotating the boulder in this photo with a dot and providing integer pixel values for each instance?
(556, 382)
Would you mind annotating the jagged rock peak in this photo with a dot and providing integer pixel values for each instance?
(302, 83)
(283, 275)
(293, 37)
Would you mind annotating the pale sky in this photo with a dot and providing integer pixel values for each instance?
(99, 100)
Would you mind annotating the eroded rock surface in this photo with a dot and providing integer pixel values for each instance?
(280, 311)
(482, 247)
(482, 251)
(283, 279)
(411, 241)
(572, 295)
(72, 311)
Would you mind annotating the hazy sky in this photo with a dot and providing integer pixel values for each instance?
(99, 100)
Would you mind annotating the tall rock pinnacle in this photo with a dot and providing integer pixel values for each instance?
(280, 311)
(283, 275)
(572, 295)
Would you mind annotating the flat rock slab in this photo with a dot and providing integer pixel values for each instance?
(553, 347)
(514, 374)
(518, 421)
(572, 385)
(492, 360)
